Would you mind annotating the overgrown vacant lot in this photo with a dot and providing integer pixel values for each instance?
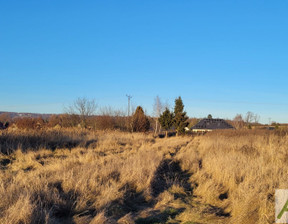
(113, 177)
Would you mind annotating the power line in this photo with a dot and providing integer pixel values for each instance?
(129, 98)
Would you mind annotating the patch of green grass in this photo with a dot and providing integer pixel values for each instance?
(168, 214)
(171, 212)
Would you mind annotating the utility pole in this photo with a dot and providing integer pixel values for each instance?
(129, 98)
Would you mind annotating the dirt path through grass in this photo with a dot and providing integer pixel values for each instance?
(171, 198)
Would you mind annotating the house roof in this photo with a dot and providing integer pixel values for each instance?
(212, 124)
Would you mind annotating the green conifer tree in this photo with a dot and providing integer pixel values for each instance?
(180, 119)
(166, 120)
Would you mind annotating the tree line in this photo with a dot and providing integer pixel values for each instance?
(82, 114)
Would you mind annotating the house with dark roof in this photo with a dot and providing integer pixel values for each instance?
(211, 124)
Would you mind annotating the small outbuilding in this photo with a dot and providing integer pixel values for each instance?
(207, 124)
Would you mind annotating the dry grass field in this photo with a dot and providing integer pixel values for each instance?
(72, 176)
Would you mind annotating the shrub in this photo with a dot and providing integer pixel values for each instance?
(140, 122)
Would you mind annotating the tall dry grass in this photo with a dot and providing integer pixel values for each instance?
(239, 171)
(78, 176)
(79, 184)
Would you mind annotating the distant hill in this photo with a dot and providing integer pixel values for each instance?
(33, 115)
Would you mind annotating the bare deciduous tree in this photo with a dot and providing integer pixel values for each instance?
(256, 118)
(110, 118)
(84, 108)
(157, 110)
(249, 117)
(238, 121)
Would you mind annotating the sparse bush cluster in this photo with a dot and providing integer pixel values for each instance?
(99, 122)
(29, 123)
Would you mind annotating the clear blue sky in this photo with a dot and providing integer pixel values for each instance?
(221, 57)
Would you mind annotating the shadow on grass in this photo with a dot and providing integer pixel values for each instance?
(48, 140)
(4, 163)
(58, 206)
(132, 201)
(167, 174)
